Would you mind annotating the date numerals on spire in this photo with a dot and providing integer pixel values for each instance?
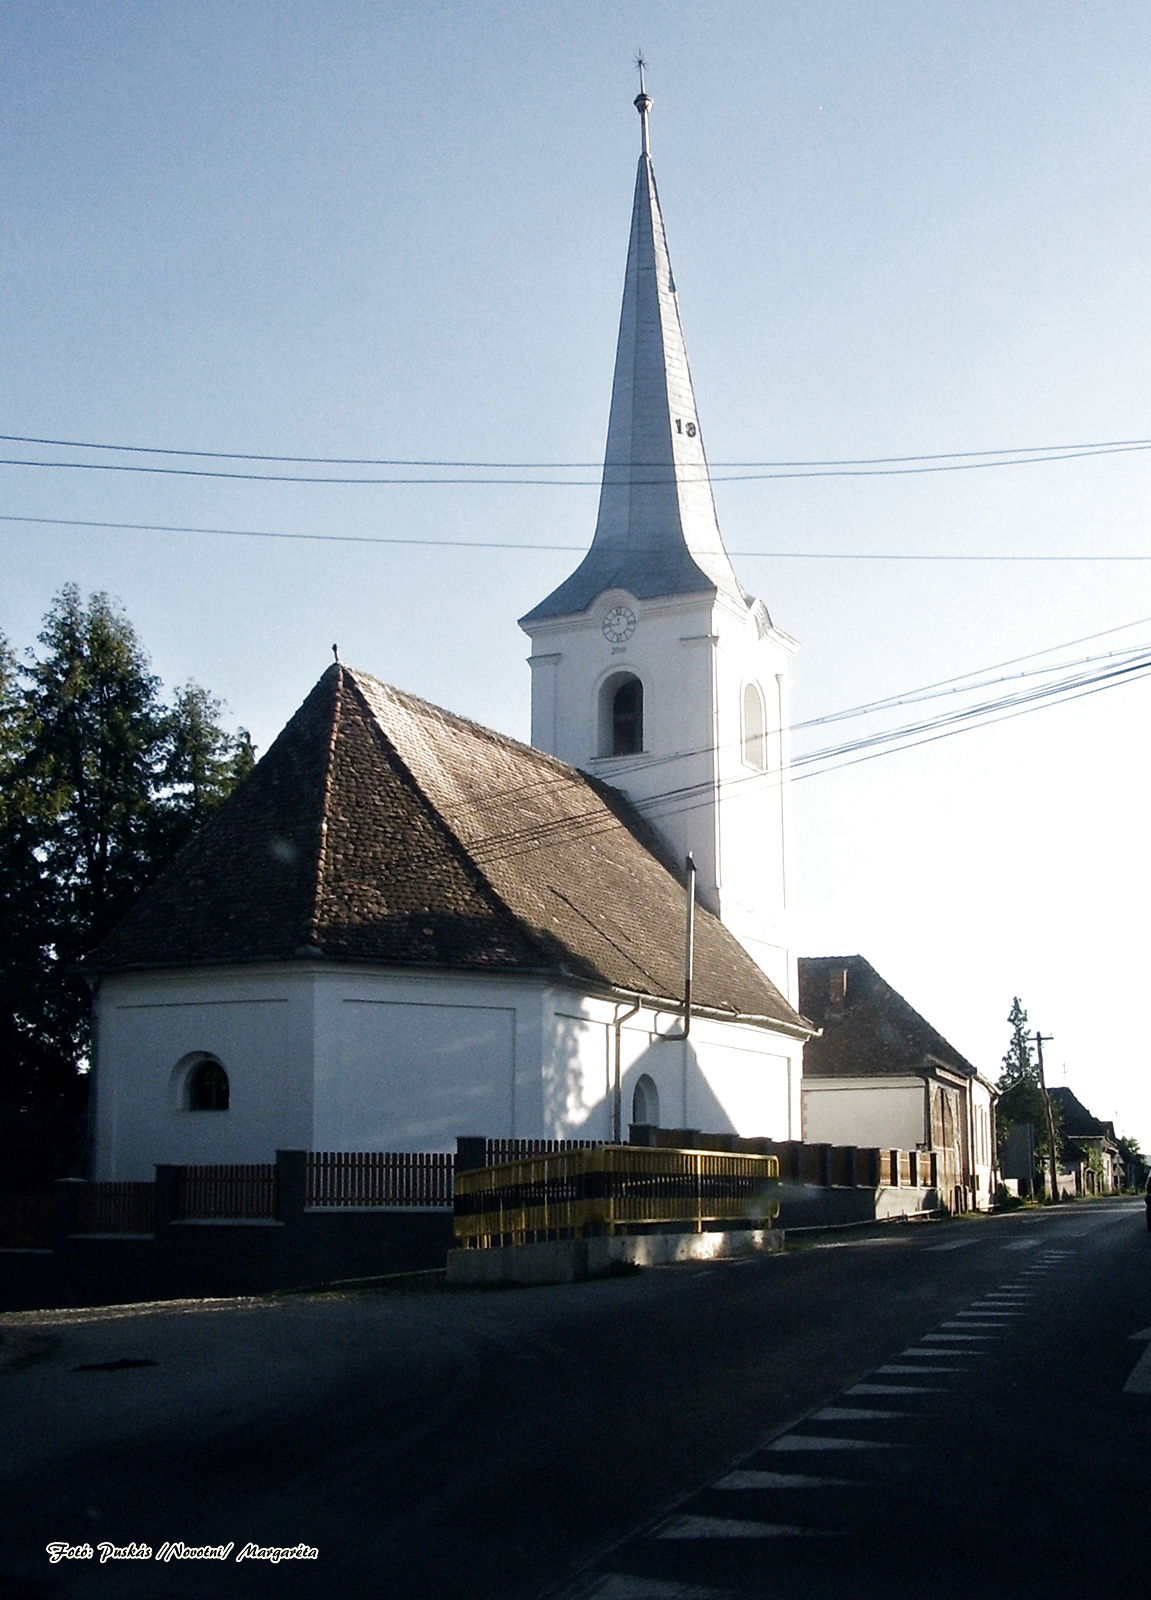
(686, 427)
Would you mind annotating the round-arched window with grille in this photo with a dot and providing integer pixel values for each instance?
(208, 1087)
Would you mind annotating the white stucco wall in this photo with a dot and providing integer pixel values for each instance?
(257, 1022)
(340, 1058)
(694, 655)
(870, 1112)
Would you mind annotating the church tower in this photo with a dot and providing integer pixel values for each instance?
(651, 667)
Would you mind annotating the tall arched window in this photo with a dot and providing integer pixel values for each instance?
(208, 1088)
(621, 716)
(754, 729)
(645, 1102)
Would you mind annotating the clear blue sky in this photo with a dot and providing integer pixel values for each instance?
(399, 231)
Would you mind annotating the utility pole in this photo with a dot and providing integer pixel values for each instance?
(1052, 1159)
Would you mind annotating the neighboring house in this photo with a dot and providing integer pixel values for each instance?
(878, 1074)
(1090, 1154)
(404, 927)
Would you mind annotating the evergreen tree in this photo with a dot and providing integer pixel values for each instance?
(100, 784)
(1017, 1063)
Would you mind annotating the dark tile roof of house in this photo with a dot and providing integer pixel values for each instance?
(1076, 1121)
(869, 1030)
(381, 829)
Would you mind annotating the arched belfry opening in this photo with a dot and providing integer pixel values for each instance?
(621, 715)
(754, 728)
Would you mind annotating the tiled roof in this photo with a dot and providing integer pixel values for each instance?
(1076, 1121)
(873, 1033)
(381, 829)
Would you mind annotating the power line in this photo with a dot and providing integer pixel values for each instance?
(383, 461)
(681, 472)
(490, 544)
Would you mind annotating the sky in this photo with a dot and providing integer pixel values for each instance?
(398, 232)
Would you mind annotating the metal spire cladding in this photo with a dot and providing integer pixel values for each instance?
(657, 532)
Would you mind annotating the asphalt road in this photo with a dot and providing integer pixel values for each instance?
(941, 1410)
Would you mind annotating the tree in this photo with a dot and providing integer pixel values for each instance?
(1017, 1063)
(1021, 1098)
(100, 785)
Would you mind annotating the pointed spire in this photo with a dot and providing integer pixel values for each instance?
(657, 532)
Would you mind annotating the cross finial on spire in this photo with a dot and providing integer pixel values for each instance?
(643, 101)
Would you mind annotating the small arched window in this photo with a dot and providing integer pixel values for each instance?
(208, 1086)
(754, 729)
(627, 718)
(645, 1102)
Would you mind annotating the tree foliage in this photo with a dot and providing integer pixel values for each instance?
(101, 782)
(1021, 1098)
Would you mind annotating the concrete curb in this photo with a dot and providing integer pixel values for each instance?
(576, 1260)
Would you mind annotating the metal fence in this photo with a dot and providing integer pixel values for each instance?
(244, 1193)
(26, 1221)
(361, 1178)
(605, 1189)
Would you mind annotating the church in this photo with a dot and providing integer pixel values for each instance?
(404, 927)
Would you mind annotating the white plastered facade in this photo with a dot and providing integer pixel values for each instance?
(698, 778)
(330, 1057)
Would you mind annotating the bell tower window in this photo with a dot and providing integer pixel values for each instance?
(754, 729)
(621, 716)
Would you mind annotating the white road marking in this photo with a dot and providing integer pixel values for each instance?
(731, 1528)
(958, 1338)
(955, 1244)
(919, 1353)
(1023, 1244)
(819, 1441)
(894, 1388)
(972, 1322)
(1140, 1380)
(892, 1368)
(748, 1478)
(853, 1414)
(623, 1586)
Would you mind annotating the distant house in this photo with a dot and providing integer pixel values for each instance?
(1091, 1158)
(878, 1074)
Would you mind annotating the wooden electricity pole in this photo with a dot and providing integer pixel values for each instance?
(1052, 1156)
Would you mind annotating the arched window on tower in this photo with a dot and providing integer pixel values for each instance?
(621, 716)
(754, 729)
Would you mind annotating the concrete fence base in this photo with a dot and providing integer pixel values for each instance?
(576, 1260)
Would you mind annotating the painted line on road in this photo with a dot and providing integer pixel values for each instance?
(751, 1478)
(1140, 1380)
(1023, 1244)
(732, 1528)
(856, 1414)
(955, 1244)
(894, 1388)
(819, 1441)
(893, 1369)
(624, 1586)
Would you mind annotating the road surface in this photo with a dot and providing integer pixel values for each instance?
(944, 1409)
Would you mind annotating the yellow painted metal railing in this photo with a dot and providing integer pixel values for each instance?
(611, 1188)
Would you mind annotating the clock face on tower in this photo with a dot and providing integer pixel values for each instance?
(618, 624)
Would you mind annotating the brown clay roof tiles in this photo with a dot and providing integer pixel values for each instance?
(381, 829)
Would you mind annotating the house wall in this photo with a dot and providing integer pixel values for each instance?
(342, 1058)
(887, 1112)
(982, 1144)
(258, 1022)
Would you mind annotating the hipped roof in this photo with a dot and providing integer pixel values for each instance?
(381, 829)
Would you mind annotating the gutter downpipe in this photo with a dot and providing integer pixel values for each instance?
(688, 953)
(616, 1108)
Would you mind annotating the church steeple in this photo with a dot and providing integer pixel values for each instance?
(650, 665)
(657, 532)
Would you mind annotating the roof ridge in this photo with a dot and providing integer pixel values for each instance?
(311, 926)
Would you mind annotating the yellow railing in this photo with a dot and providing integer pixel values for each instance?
(611, 1188)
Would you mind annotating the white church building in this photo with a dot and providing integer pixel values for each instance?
(404, 927)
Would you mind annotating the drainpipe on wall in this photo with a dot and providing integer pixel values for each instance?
(616, 1109)
(688, 953)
